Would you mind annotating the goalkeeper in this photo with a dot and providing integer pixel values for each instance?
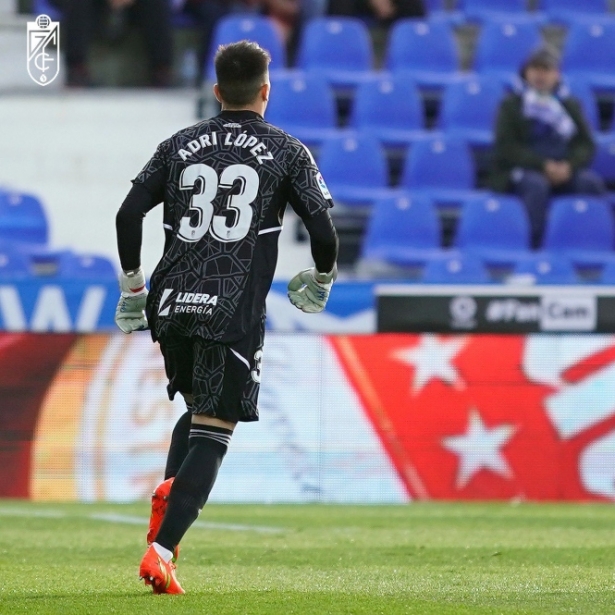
(225, 184)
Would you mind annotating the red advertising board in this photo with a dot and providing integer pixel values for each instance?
(439, 416)
(490, 416)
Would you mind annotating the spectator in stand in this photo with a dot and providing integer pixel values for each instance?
(384, 11)
(154, 16)
(543, 144)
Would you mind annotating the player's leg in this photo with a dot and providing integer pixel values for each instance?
(184, 360)
(178, 450)
(178, 361)
(178, 354)
(225, 388)
(209, 439)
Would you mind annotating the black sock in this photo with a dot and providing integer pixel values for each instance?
(193, 482)
(179, 447)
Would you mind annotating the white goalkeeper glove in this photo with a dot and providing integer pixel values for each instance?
(309, 290)
(130, 310)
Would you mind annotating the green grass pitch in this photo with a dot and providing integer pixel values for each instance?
(435, 559)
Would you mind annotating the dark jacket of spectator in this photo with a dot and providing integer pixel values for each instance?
(514, 137)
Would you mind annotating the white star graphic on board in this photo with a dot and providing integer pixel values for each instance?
(432, 358)
(480, 448)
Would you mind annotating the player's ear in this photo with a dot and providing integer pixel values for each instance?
(217, 93)
(265, 90)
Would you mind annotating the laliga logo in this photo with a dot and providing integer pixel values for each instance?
(43, 50)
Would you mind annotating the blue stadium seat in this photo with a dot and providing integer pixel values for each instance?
(502, 47)
(257, 28)
(479, 11)
(456, 268)
(339, 48)
(443, 167)
(406, 50)
(402, 230)
(45, 262)
(32, 260)
(566, 12)
(589, 51)
(22, 218)
(355, 169)
(546, 268)
(604, 160)
(86, 267)
(581, 227)
(469, 109)
(303, 104)
(14, 265)
(391, 108)
(495, 228)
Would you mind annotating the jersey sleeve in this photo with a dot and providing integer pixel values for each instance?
(154, 174)
(147, 191)
(309, 194)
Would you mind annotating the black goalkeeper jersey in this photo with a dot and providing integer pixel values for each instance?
(225, 183)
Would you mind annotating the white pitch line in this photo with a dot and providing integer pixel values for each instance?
(136, 520)
(208, 525)
(23, 512)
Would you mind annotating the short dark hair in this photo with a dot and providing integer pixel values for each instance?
(241, 70)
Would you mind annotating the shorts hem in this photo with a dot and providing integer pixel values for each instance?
(234, 419)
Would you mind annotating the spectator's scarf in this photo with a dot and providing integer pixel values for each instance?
(548, 109)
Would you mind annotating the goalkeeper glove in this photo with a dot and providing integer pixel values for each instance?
(130, 310)
(309, 290)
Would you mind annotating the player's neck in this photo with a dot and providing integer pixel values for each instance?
(256, 107)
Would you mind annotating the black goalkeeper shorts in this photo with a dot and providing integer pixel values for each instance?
(224, 379)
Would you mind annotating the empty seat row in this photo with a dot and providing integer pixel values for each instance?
(24, 250)
(404, 231)
(354, 165)
(551, 11)
(340, 48)
(391, 107)
(22, 262)
(22, 218)
(355, 169)
(463, 267)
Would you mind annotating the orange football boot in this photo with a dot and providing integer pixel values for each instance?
(159, 574)
(160, 498)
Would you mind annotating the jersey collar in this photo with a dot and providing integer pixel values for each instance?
(240, 114)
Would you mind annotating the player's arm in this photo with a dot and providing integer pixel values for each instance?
(129, 225)
(309, 197)
(324, 242)
(147, 191)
